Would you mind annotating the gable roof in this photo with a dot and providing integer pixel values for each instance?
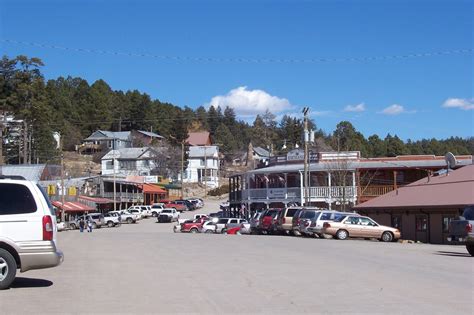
(261, 151)
(126, 153)
(199, 138)
(453, 189)
(32, 172)
(199, 151)
(109, 135)
(150, 134)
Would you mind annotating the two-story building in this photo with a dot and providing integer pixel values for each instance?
(104, 140)
(337, 180)
(129, 161)
(203, 166)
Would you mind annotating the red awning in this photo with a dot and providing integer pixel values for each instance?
(152, 189)
(72, 206)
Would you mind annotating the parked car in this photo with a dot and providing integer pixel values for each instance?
(193, 226)
(200, 215)
(220, 224)
(359, 226)
(168, 215)
(198, 203)
(245, 228)
(97, 220)
(316, 224)
(145, 211)
(215, 216)
(268, 221)
(125, 216)
(190, 206)
(306, 218)
(156, 209)
(112, 219)
(208, 227)
(295, 223)
(285, 218)
(179, 207)
(461, 230)
(27, 229)
(233, 223)
(233, 231)
(255, 222)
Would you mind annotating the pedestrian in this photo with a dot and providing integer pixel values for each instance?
(89, 225)
(82, 224)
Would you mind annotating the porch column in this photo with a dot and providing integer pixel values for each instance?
(330, 190)
(120, 205)
(285, 176)
(395, 180)
(301, 188)
(354, 198)
(266, 184)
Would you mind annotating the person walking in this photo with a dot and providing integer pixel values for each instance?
(89, 225)
(82, 224)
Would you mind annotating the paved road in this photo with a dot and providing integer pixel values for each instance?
(146, 268)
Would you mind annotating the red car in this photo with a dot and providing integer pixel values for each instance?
(233, 231)
(193, 226)
(269, 221)
(178, 207)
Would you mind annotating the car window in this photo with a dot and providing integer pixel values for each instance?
(325, 216)
(291, 212)
(16, 199)
(309, 214)
(234, 221)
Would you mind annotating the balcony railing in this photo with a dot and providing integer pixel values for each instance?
(374, 191)
(322, 192)
(124, 196)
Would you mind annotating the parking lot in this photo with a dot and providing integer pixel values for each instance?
(146, 268)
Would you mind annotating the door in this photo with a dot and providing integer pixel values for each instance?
(422, 228)
(354, 227)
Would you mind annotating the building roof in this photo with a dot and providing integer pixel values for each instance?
(126, 153)
(96, 200)
(150, 134)
(200, 151)
(453, 189)
(32, 172)
(373, 164)
(199, 138)
(261, 151)
(72, 206)
(109, 135)
(152, 189)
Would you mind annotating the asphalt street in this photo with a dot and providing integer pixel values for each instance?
(146, 268)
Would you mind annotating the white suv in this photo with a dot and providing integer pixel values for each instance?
(27, 229)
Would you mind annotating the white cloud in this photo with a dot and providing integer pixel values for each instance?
(355, 108)
(394, 109)
(247, 102)
(460, 103)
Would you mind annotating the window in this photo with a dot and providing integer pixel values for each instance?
(325, 216)
(446, 221)
(397, 222)
(16, 199)
(421, 224)
(291, 212)
(109, 165)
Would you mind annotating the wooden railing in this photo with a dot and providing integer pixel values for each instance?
(374, 191)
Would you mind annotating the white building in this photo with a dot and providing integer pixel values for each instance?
(203, 166)
(129, 161)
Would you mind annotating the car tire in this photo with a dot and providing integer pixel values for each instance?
(209, 231)
(129, 220)
(342, 234)
(224, 231)
(7, 269)
(387, 237)
(72, 226)
(470, 249)
(320, 235)
(94, 226)
(154, 214)
(175, 229)
(110, 224)
(193, 230)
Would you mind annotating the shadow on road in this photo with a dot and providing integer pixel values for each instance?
(21, 282)
(453, 254)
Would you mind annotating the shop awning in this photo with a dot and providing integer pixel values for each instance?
(72, 206)
(152, 189)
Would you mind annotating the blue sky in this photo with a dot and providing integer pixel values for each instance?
(403, 96)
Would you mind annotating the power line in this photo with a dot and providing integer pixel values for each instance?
(174, 58)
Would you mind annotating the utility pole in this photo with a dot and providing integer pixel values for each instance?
(306, 140)
(2, 125)
(182, 168)
(63, 213)
(205, 171)
(115, 178)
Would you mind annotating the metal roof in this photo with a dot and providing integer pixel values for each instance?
(150, 134)
(261, 151)
(199, 151)
(354, 165)
(126, 153)
(31, 172)
(109, 135)
(454, 189)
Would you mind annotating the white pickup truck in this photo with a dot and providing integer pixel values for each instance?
(168, 215)
(126, 216)
(112, 219)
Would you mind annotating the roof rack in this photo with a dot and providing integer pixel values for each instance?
(12, 177)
